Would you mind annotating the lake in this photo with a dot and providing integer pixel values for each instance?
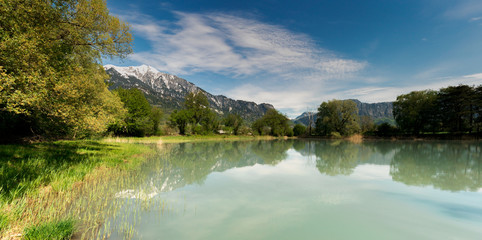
(299, 189)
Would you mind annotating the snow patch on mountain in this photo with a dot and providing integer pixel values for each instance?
(134, 71)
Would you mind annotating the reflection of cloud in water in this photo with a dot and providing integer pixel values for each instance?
(372, 172)
(136, 194)
(336, 198)
(142, 194)
(294, 166)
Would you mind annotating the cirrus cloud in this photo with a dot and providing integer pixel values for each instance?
(234, 46)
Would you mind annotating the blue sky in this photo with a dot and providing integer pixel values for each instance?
(297, 54)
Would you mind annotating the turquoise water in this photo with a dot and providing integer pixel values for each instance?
(297, 189)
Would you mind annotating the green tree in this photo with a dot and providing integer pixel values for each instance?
(366, 124)
(416, 111)
(273, 123)
(141, 118)
(299, 129)
(181, 119)
(457, 108)
(233, 121)
(478, 108)
(338, 116)
(198, 104)
(50, 71)
(203, 119)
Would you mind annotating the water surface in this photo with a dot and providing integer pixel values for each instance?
(298, 189)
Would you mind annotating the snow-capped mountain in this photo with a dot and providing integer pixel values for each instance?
(168, 91)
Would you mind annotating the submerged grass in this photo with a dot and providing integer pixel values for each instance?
(56, 182)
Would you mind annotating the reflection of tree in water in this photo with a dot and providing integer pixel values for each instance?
(454, 166)
(272, 152)
(188, 163)
(336, 157)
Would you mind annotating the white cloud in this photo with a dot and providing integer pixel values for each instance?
(464, 9)
(475, 19)
(234, 46)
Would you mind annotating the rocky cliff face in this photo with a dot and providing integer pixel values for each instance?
(168, 91)
(375, 110)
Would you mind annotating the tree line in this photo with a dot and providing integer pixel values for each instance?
(454, 109)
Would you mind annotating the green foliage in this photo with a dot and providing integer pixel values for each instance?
(299, 129)
(197, 114)
(339, 116)
(414, 112)
(56, 230)
(198, 104)
(141, 118)
(453, 109)
(457, 108)
(24, 168)
(366, 124)
(49, 65)
(273, 123)
(234, 121)
(181, 119)
(386, 130)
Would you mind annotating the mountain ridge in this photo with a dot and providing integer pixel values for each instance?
(168, 91)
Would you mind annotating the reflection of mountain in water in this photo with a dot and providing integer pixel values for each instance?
(452, 166)
(188, 163)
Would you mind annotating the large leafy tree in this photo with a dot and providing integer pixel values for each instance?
(273, 123)
(457, 107)
(235, 121)
(339, 116)
(141, 119)
(50, 71)
(196, 112)
(416, 111)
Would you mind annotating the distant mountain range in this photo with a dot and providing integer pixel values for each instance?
(380, 112)
(168, 91)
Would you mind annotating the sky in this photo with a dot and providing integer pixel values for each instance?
(297, 54)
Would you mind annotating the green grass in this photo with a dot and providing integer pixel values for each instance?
(25, 168)
(55, 230)
(3, 221)
(45, 181)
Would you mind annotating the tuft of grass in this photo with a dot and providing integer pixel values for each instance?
(3, 221)
(55, 230)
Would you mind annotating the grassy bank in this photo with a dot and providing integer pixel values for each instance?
(44, 186)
